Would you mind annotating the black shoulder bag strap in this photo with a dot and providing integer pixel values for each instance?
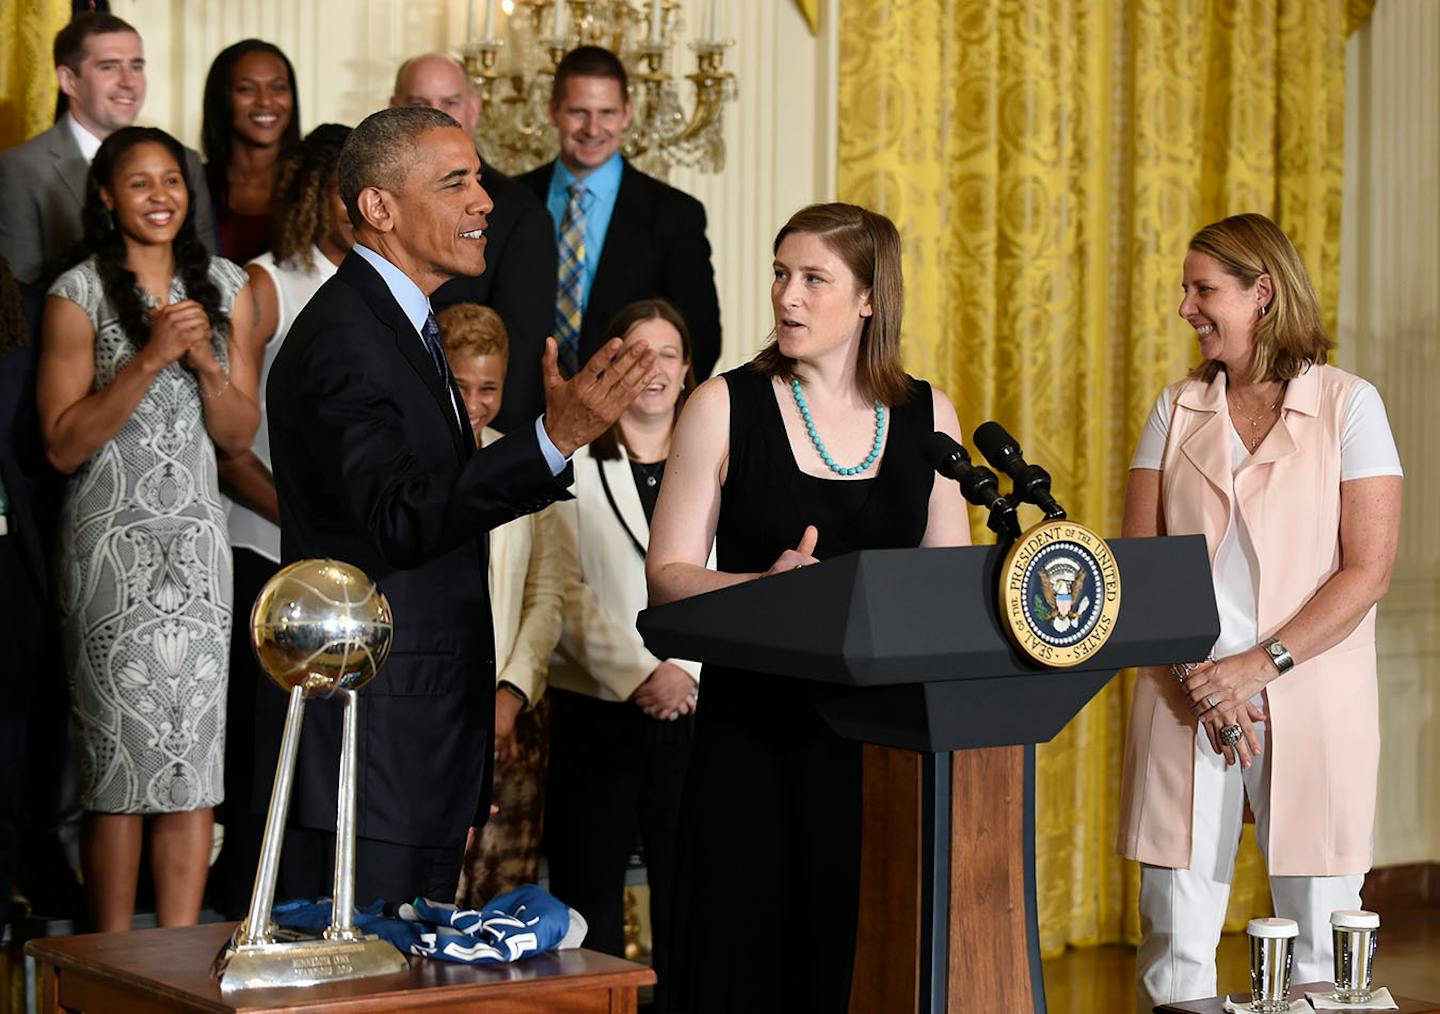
(605, 485)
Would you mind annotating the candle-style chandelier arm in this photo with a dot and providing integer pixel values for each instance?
(713, 85)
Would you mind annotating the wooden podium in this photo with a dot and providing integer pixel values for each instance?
(948, 916)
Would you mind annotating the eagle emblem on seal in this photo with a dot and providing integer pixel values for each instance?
(1059, 593)
(1062, 602)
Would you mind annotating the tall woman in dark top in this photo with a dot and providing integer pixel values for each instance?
(251, 118)
(810, 451)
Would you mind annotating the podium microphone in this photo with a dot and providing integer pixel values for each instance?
(1029, 483)
(977, 483)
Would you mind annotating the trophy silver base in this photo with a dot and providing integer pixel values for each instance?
(304, 961)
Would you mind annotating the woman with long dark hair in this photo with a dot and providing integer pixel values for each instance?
(312, 235)
(251, 119)
(140, 380)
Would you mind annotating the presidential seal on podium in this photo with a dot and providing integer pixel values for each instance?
(1059, 593)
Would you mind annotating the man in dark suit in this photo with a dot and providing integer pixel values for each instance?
(100, 63)
(641, 237)
(375, 464)
(518, 280)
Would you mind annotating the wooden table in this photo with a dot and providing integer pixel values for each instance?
(169, 970)
(1216, 1005)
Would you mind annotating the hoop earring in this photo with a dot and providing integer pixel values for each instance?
(1264, 309)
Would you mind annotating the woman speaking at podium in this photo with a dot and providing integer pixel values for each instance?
(809, 451)
(1287, 467)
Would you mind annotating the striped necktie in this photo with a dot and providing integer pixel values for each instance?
(570, 290)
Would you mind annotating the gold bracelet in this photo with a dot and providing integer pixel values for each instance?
(206, 395)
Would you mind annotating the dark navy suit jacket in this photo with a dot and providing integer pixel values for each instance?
(373, 468)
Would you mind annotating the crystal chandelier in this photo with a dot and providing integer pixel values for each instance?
(513, 70)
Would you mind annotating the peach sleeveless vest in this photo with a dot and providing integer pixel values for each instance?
(1324, 714)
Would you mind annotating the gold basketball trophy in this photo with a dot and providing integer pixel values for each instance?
(321, 629)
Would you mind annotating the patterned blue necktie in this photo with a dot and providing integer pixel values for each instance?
(430, 335)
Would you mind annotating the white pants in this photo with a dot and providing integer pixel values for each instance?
(1183, 911)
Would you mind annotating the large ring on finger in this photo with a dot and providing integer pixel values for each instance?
(1230, 735)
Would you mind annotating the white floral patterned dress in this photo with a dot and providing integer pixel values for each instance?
(145, 582)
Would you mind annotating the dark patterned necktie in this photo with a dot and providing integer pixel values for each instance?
(430, 335)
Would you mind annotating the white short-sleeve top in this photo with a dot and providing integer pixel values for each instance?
(1367, 450)
(294, 285)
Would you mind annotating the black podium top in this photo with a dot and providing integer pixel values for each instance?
(917, 634)
(893, 616)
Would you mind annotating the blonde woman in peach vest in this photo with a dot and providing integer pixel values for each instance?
(1288, 468)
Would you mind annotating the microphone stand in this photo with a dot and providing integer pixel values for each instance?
(1003, 520)
(978, 485)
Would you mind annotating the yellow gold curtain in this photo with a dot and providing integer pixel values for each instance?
(27, 74)
(1046, 162)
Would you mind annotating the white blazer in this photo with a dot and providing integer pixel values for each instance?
(600, 652)
(526, 590)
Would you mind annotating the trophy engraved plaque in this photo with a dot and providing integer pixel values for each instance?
(320, 629)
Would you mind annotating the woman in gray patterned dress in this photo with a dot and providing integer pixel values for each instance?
(139, 384)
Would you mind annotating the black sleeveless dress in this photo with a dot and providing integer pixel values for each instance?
(770, 873)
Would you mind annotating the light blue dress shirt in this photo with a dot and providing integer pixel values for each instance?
(603, 186)
(416, 307)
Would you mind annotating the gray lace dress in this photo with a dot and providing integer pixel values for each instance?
(144, 583)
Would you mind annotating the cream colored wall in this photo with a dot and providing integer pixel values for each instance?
(781, 146)
(1390, 334)
(778, 135)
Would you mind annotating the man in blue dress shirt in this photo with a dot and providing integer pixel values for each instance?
(621, 235)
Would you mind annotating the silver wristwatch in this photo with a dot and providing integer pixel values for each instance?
(1278, 654)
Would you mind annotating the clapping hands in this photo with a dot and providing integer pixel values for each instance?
(181, 331)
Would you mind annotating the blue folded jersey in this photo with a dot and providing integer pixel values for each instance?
(526, 921)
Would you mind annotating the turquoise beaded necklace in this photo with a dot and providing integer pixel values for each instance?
(820, 444)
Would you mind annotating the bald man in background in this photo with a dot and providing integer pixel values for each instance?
(519, 279)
